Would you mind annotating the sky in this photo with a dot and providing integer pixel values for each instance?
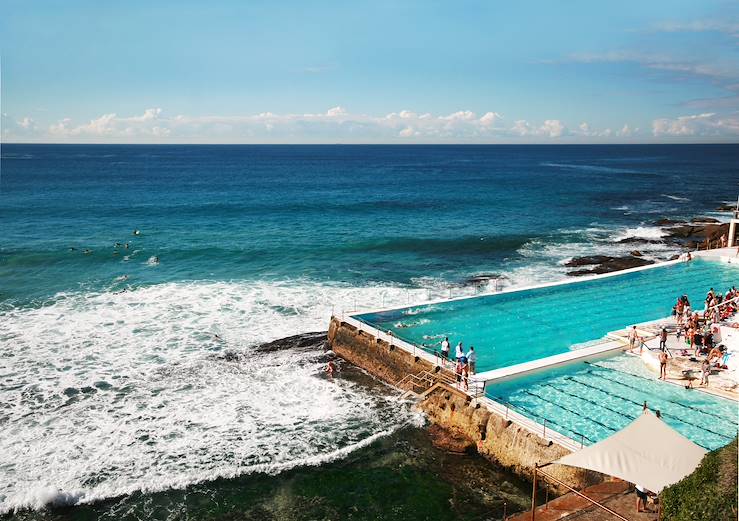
(463, 71)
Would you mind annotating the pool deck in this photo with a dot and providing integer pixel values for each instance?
(514, 439)
(603, 348)
(616, 495)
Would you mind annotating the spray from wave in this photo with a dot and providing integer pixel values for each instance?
(103, 394)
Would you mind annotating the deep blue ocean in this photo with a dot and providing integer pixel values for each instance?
(121, 373)
(351, 214)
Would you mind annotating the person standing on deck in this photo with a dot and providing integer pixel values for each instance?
(632, 337)
(459, 352)
(472, 359)
(706, 370)
(663, 339)
(663, 365)
(445, 348)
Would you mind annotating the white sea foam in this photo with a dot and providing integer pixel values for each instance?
(641, 232)
(676, 198)
(103, 394)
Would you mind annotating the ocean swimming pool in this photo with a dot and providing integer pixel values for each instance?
(589, 401)
(519, 326)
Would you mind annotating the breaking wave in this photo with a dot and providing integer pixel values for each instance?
(103, 394)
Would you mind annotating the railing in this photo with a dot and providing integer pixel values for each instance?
(547, 429)
(537, 471)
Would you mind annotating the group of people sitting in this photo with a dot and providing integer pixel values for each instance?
(464, 362)
(698, 330)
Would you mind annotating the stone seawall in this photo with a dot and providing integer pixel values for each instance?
(378, 357)
(496, 438)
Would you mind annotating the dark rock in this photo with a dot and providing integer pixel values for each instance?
(667, 222)
(483, 278)
(312, 340)
(640, 240)
(447, 440)
(726, 207)
(606, 264)
(588, 260)
(674, 257)
(704, 220)
(683, 232)
(636, 253)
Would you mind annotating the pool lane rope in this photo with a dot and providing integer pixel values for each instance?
(718, 416)
(664, 414)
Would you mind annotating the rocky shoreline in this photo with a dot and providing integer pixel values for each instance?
(683, 235)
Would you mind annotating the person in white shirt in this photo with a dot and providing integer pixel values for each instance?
(472, 359)
(460, 351)
(445, 348)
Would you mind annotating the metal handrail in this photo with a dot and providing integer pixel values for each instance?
(537, 469)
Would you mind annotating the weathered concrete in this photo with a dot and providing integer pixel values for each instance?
(498, 439)
(378, 357)
(495, 438)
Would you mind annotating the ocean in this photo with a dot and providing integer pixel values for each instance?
(137, 282)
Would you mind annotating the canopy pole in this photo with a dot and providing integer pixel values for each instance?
(533, 494)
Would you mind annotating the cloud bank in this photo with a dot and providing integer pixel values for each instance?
(338, 125)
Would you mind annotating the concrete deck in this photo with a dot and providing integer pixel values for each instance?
(606, 346)
(615, 495)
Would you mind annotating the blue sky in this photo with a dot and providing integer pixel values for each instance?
(369, 72)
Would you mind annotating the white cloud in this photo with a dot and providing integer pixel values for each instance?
(26, 123)
(706, 124)
(337, 124)
(553, 128)
(335, 112)
(489, 119)
(698, 26)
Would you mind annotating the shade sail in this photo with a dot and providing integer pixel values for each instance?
(647, 452)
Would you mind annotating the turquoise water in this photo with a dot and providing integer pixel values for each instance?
(597, 399)
(512, 328)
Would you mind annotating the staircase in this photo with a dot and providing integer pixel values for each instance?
(423, 383)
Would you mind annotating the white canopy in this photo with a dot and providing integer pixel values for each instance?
(647, 452)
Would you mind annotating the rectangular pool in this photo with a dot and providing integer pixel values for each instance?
(519, 326)
(595, 399)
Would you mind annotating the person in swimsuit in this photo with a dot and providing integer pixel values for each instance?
(663, 339)
(706, 370)
(663, 365)
(458, 371)
(632, 337)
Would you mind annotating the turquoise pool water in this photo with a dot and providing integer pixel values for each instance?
(516, 327)
(597, 399)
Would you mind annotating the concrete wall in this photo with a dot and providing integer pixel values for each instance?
(496, 438)
(377, 357)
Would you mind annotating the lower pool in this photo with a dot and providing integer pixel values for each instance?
(516, 327)
(589, 401)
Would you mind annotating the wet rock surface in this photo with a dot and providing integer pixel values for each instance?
(450, 441)
(605, 264)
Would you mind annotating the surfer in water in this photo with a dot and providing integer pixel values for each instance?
(330, 368)
(137, 232)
